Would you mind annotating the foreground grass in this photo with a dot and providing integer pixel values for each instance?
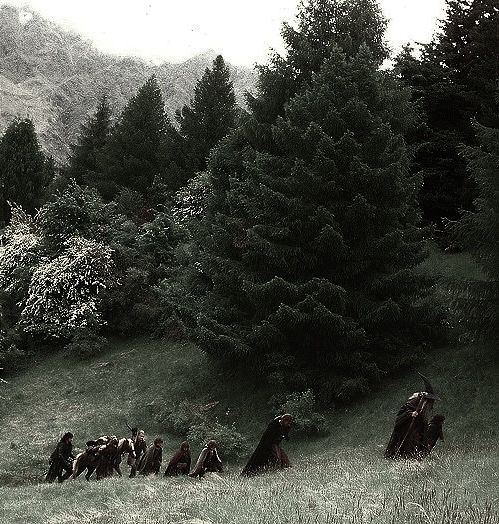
(339, 478)
(348, 485)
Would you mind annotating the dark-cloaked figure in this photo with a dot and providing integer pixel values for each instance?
(140, 445)
(180, 463)
(269, 454)
(434, 432)
(61, 460)
(150, 461)
(407, 440)
(106, 457)
(208, 461)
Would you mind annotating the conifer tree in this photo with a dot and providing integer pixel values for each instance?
(24, 170)
(94, 134)
(478, 232)
(453, 81)
(307, 251)
(131, 157)
(210, 116)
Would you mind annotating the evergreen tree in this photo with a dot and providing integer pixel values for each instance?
(93, 137)
(478, 232)
(307, 252)
(321, 25)
(131, 157)
(24, 170)
(454, 81)
(210, 116)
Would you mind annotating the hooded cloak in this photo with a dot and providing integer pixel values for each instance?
(269, 454)
(180, 463)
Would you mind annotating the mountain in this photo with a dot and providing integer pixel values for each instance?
(56, 77)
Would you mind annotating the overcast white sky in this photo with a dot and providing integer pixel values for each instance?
(242, 30)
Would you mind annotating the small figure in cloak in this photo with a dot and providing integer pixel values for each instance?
(407, 440)
(434, 432)
(150, 461)
(269, 454)
(208, 461)
(61, 460)
(180, 463)
(140, 445)
(106, 457)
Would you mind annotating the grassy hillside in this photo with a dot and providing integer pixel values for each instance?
(341, 478)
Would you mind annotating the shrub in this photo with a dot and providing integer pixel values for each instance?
(85, 344)
(178, 419)
(302, 405)
(12, 358)
(231, 443)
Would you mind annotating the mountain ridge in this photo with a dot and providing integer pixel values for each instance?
(56, 77)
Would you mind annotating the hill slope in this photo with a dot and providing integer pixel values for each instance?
(56, 77)
(341, 478)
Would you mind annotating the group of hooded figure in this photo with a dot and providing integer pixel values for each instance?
(414, 436)
(105, 454)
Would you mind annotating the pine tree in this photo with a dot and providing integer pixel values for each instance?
(453, 81)
(93, 137)
(210, 116)
(24, 170)
(478, 232)
(321, 25)
(307, 253)
(131, 157)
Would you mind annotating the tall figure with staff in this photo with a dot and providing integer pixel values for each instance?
(408, 436)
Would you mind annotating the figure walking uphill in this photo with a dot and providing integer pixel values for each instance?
(138, 438)
(434, 432)
(180, 463)
(150, 462)
(208, 461)
(61, 460)
(408, 436)
(269, 454)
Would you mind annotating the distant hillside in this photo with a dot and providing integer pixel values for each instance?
(56, 77)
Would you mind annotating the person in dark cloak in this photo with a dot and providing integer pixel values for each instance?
(180, 463)
(106, 457)
(140, 445)
(434, 432)
(61, 460)
(407, 440)
(269, 454)
(208, 461)
(150, 461)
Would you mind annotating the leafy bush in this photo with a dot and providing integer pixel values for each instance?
(12, 358)
(192, 421)
(231, 443)
(178, 419)
(302, 405)
(85, 344)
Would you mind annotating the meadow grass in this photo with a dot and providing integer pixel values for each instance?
(340, 478)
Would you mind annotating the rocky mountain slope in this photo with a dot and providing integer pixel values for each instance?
(56, 77)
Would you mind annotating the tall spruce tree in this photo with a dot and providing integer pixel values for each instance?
(209, 117)
(454, 80)
(478, 232)
(24, 170)
(94, 134)
(131, 158)
(308, 250)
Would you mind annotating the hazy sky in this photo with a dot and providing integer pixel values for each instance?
(242, 30)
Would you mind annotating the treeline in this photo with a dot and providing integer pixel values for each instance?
(284, 239)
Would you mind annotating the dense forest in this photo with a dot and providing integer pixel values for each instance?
(284, 238)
